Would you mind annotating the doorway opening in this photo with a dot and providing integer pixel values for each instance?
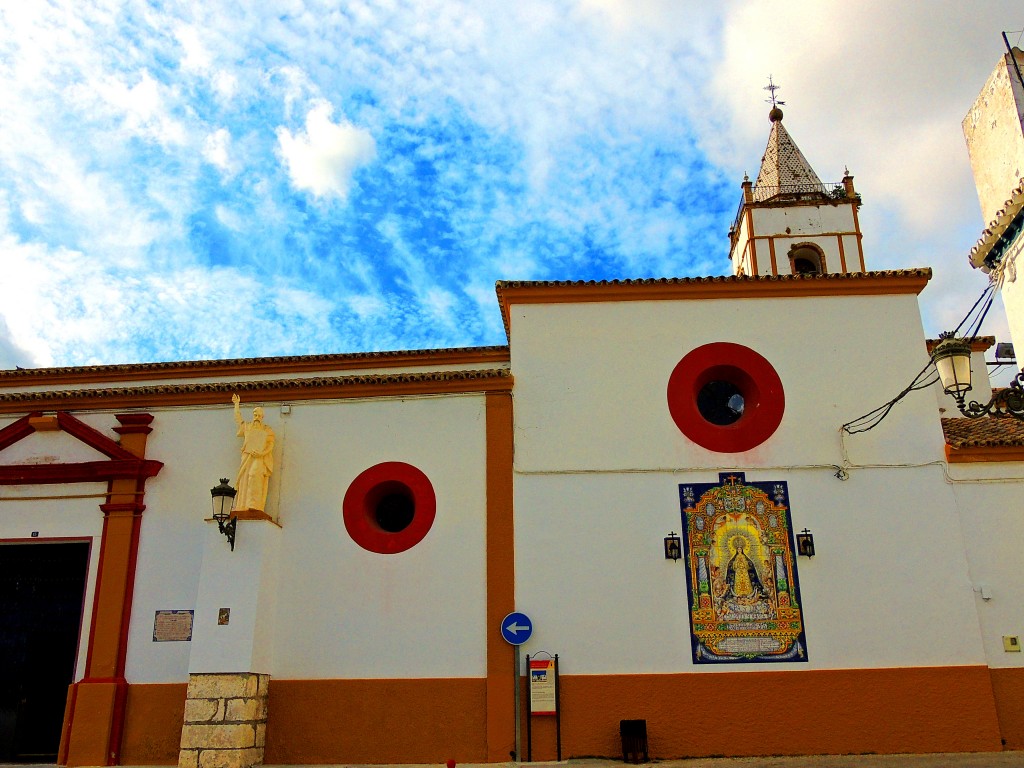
(42, 590)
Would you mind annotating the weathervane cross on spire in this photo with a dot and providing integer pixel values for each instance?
(772, 88)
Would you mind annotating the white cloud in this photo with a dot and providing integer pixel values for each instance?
(202, 46)
(197, 58)
(12, 355)
(367, 306)
(441, 305)
(68, 134)
(296, 83)
(881, 87)
(216, 149)
(61, 306)
(30, 308)
(885, 98)
(225, 84)
(513, 140)
(142, 107)
(323, 158)
(229, 218)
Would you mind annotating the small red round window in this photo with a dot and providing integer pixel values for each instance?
(389, 508)
(726, 397)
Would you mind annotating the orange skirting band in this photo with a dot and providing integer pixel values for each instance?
(848, 711)
(918, 709)
(152, 726)
(1008, 686)
(377, 721)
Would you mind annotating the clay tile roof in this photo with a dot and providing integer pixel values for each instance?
(924, 272)
(199, 393)
(235, 366)
(991, 235)
(983, 432)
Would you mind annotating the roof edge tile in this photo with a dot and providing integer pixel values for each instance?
(291, 390)
(902, 281)
(250, 365)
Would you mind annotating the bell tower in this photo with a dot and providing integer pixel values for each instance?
(788, 221)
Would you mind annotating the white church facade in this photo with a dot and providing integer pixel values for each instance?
(637, 471)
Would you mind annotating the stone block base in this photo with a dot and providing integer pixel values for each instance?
(225, 721)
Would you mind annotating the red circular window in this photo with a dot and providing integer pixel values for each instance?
(389, 508)
(726, 397)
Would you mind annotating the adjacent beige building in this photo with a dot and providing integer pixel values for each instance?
(995, 140)
(994, 129)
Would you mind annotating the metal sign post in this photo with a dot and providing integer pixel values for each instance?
(516, 629)
(518, 707)
(544, 691)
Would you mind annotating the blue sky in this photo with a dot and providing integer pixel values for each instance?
(182, 180)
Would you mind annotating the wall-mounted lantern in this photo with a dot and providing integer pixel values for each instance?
(223, 495)
(805, 543)
(952, 358)
(673, 546)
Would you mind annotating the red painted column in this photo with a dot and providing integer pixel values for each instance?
(500, 577)
(96, 704)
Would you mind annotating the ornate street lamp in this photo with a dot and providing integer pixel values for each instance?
(222, 496)
(952, 358)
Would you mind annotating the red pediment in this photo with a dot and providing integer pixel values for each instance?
(120, 462)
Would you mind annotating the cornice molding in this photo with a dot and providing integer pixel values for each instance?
(219, 393)
(253, 366)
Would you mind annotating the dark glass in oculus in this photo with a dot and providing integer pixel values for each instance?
(720, 402)
(394, 512)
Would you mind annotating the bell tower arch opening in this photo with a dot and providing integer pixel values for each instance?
(806, 259)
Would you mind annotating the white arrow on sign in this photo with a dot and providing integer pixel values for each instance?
(515, 629)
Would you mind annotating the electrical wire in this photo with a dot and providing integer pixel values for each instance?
(927, 375)
(873, 418)
(986, 296)
(975, 327)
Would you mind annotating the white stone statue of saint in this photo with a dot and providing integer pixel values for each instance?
(257, 460)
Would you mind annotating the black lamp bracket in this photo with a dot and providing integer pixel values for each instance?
(228, 529)
(1009, 402)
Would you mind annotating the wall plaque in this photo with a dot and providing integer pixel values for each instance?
(171, 626)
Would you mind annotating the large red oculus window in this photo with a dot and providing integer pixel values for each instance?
(389, 508)
(726, 397)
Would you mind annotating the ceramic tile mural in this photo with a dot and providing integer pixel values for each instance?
(741, 579)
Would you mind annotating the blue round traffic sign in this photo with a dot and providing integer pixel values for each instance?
(516, 628)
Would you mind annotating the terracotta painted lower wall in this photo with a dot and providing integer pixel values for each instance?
(376, 721)
(152, 728)
(1008, 685)
(921, 709)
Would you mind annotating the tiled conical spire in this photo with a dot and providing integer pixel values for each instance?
(776, 230)
(784, 169)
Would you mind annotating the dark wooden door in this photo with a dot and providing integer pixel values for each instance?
(42, 587)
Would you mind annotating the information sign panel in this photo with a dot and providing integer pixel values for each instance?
(542, 687)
